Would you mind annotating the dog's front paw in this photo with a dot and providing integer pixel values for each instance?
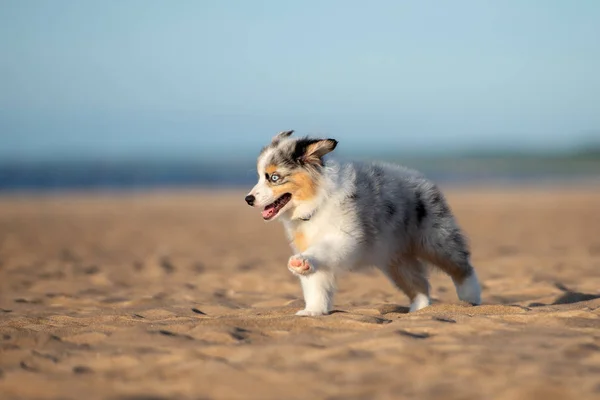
(300, 265)
(310, 313)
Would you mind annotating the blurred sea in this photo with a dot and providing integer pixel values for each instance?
(148, 174)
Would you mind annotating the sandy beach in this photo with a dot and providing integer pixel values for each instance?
(187, 296)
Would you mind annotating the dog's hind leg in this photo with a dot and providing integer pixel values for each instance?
(448, 250)
(410, 276)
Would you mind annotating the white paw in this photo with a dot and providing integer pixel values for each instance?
(311, 313)
(300, 265)
(469, 290)
(420, 301)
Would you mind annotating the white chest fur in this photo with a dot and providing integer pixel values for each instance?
(328, 222)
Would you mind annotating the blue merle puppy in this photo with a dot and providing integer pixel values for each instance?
(346, 216)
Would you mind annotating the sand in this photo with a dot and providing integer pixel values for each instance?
(187, 296)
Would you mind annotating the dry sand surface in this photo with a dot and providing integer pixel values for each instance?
(187, 296)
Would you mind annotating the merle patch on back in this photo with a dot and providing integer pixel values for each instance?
(420, 208)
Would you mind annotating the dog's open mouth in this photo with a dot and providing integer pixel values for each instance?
(273, 209)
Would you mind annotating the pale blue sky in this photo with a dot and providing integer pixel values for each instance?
(198, 78)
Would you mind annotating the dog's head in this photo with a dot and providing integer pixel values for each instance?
(289, 174)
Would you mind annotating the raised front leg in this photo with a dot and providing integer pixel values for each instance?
(316, 269)
(318, 285)
(301, 265)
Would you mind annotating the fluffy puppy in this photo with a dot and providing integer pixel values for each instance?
(345, 216)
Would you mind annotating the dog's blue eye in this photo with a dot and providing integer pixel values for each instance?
(274, 178)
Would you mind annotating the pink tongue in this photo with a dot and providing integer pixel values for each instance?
(268, 211)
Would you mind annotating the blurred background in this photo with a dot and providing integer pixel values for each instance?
(142, 94)
(116, 284)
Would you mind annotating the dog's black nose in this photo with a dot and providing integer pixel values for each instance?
(250, 200)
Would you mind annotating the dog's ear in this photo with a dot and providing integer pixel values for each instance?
(281, 135)
(311, 151)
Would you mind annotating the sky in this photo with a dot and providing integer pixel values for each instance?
(206, 79)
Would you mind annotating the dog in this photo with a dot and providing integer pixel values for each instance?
(342, 217)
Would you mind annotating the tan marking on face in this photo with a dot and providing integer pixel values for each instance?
(300, 185)
(306, 187)
(300, 241)
(269, 169)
